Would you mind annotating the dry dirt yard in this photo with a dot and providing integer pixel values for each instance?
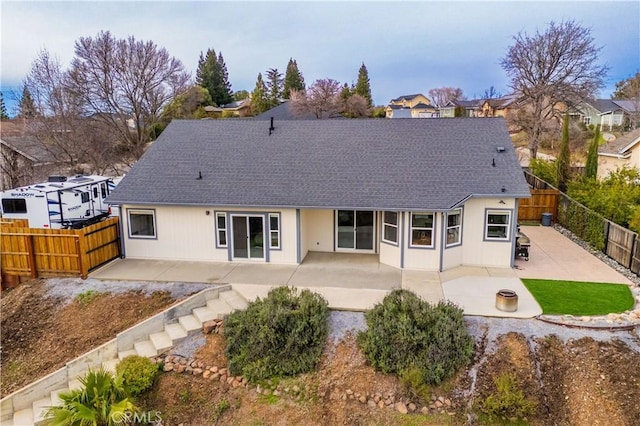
(574, 376)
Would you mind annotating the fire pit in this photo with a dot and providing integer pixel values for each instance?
(506, 300)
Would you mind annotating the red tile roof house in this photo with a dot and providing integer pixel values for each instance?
(418, 194)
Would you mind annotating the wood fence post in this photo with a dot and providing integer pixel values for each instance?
(83, 270)
(31, 256)
(633, 246)
(607, 225)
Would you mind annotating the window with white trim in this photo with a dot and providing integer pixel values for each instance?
(454, 228)
(390, 227)
(142, 223)
(274, 230)
(421, 230)
(497, 225)
(221, 229)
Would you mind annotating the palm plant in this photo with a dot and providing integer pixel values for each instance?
(103, 400)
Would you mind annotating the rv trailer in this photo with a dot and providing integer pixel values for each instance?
(60, 202)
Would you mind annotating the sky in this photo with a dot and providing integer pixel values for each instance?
(407, 46)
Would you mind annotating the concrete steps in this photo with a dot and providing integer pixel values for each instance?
(156, 343)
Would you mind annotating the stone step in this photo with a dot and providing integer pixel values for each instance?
(233, 299)
(220, 307)
(176, 332)
(55, 396)
(124, 354)
(75, 384)
(23, 417)
(191, 324)
(145, 348)
(40, 408)
(110, 365)
(161, 341)
(204, 314)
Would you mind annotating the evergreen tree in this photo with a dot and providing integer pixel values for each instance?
(346, 92)
(293, 79)
(591, 169)
(225, 86)
(27, 106)
(363, 88)
(275, 84)
(212, 75)
(3, 108)
(259, 100)
(564, 159)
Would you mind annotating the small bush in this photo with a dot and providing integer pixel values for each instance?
(138, 373)
(86, 297)
(281, 335)
(413, 382)
(508, 402)
(405, 333)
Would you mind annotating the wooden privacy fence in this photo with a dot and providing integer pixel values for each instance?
(541, 201)
(36, 252)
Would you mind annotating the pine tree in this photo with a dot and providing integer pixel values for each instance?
(3, 108)
(591, 168)
(363, 88)
(564, 158)
(293, 79)
(275, 84)
(259, 100)
(225, 86)
(346, 92)
(27, 106)
(212, 75)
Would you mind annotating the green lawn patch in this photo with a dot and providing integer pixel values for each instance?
(580, 298)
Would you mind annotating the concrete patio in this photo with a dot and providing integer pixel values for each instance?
(357, 281)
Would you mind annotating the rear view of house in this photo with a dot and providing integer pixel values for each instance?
(419, 194)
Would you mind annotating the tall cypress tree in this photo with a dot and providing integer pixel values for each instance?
(212, 75)
(363, 87)
(3, 108)
(564, 158)
(591, 168)
(293, 79)
(27, 106)
(259, 100)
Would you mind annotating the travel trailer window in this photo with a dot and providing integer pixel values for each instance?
(85, 197)
(14, 205)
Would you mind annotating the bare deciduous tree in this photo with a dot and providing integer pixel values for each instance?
(551, 70)
(321, 99)
(356, 106)
(125, 83)
(443, 95)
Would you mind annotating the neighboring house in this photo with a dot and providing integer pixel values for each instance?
(418, 194)
(606, 112)
(411, 106)
(234, 109)
(23, 161)
(621, 152)
(498, 107)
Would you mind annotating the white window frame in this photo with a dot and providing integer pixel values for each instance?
(140, 212)
(457, 227)
(432, 229)
(219, 229)
(276, 231)
(386, 225)
(507, 225)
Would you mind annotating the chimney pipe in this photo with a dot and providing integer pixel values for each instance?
(271, 128)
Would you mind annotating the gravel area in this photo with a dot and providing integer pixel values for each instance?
(600, 255)
(68, 288)
(188, 347)
(343, 322)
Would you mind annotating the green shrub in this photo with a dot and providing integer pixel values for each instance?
(86, 297)
(412, 380)
(405, 333)
(281, 335)
(138, 373)
(508, 402)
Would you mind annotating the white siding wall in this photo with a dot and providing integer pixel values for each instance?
(188, 233)
(389, 254)
(422, 258)
(318, 226)
(476, 251)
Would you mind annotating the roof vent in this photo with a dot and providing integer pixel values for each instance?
(271, 128)
(199, 175)
(500, 148)
(57, 178)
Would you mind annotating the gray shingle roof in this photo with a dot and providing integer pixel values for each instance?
(367, 164)
(616, 146)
